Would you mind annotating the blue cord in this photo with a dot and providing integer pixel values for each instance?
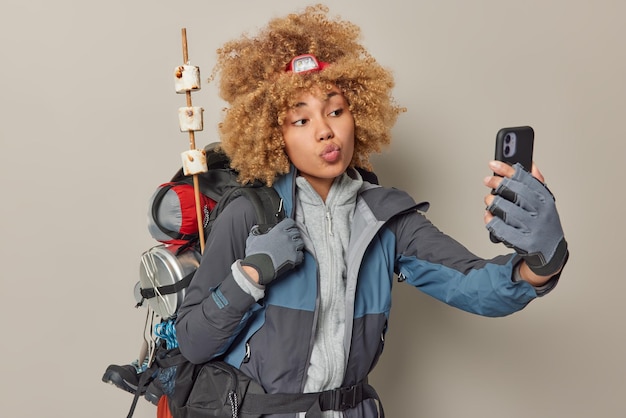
(167, 331)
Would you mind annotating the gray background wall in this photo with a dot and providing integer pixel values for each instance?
(88, 129)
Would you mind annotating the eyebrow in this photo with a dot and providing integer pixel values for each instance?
(328, 96)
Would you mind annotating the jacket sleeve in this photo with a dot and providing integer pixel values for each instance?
(215, 307)
(444, 269)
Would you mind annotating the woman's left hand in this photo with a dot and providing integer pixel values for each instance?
(522, 214)
(502, 170)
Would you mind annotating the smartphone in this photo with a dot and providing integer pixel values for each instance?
(515, 145)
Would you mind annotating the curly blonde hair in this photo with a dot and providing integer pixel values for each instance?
(259, 90)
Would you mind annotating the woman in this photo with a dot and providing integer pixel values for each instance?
(304, 308)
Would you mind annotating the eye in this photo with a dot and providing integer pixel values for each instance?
(300, 122)
(337, 112)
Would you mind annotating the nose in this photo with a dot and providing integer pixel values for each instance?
(324, 132)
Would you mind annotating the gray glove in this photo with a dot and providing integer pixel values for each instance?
(526, 219)
(274, 252)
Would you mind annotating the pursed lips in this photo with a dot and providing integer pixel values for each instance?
(330, 153)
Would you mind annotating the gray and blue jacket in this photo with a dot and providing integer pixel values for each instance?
(271, 339)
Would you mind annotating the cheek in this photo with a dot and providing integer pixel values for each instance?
(350, 153)
(351, 141)
(292, 149)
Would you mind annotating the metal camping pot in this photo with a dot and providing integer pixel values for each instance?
(162, 267)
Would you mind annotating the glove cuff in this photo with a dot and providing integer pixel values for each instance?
(550, 268)
(262, 263)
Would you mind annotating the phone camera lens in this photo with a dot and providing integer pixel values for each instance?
(507, 138)
(507, 150)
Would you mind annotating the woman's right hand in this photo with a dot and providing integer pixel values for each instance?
(271, 254)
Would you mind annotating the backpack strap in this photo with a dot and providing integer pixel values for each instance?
(313, 404)
(151, 292)
(144, 380)
(268, 205)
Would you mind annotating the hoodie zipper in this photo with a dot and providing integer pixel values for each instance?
(329, 219)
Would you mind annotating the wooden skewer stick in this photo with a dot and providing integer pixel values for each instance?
(192, 146)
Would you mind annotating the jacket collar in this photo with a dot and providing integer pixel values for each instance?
(285, 185)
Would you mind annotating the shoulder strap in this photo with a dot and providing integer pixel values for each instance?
(268, 205)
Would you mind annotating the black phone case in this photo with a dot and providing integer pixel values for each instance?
(524, 141)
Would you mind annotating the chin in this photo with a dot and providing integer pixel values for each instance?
(337, 171)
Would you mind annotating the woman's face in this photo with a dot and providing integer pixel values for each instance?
(319, 137)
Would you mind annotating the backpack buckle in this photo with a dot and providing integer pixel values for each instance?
(342, 398)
